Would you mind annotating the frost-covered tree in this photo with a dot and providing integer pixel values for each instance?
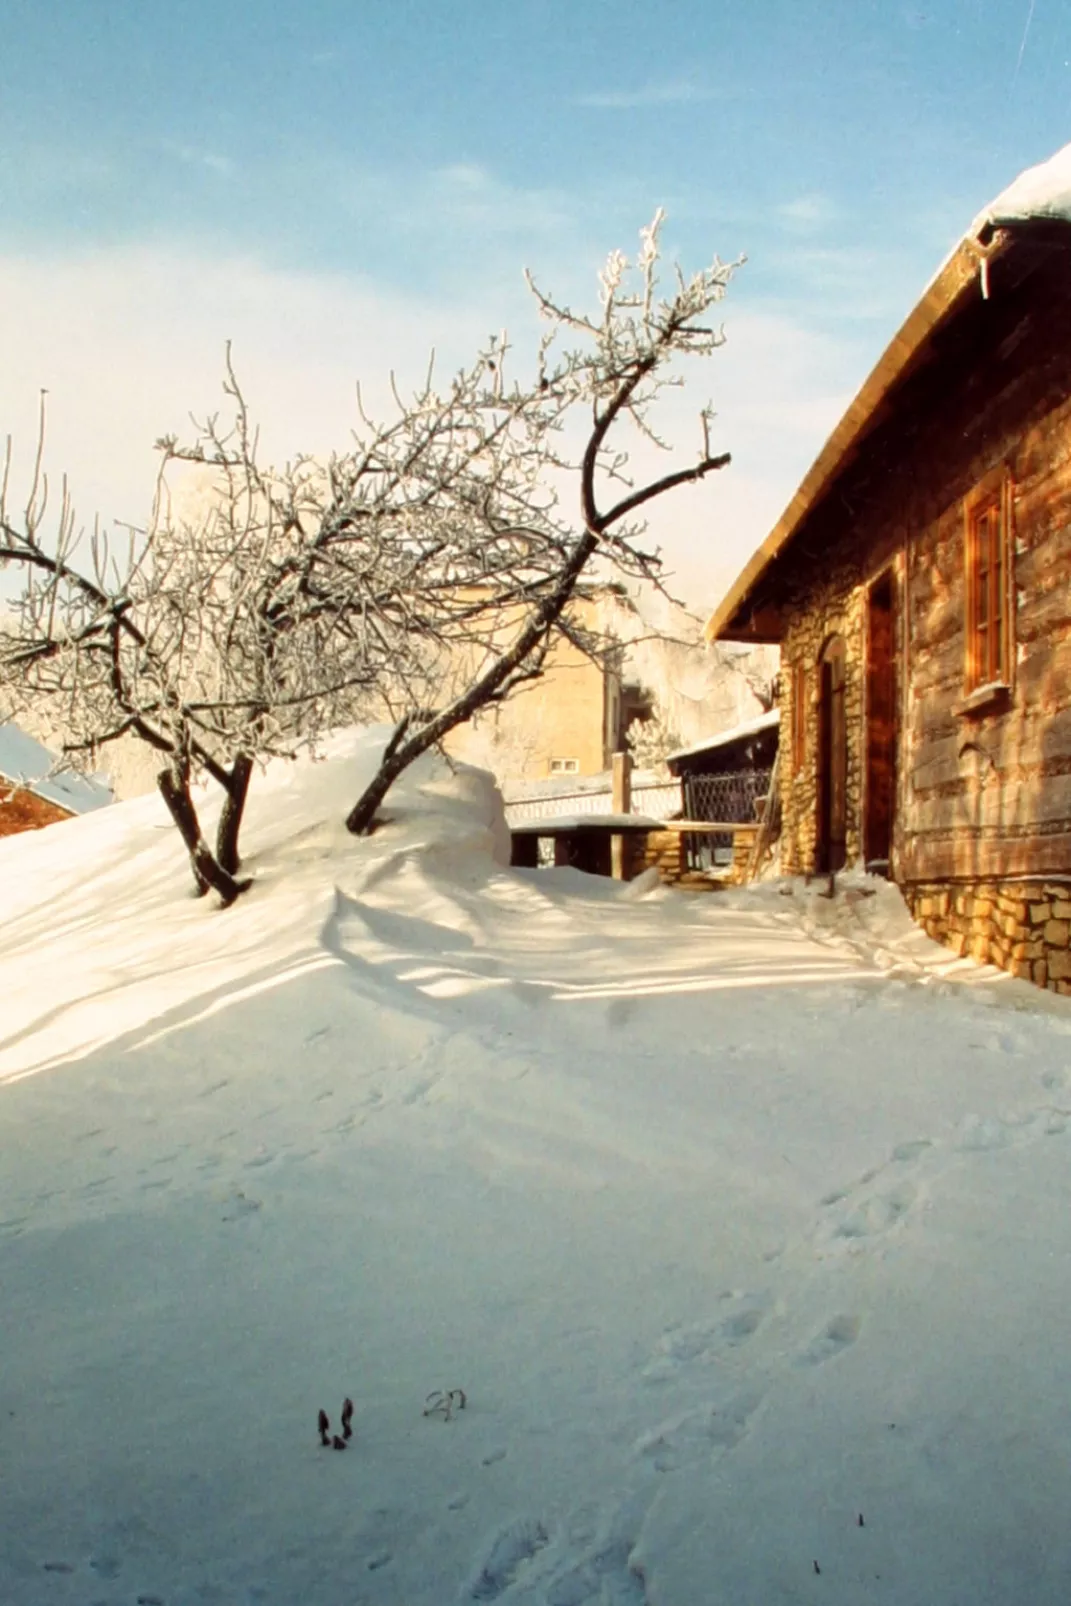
(650, 740)
(421, 574)
(171, 636)
(610, 368)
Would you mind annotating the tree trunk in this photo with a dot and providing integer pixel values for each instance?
(207, 873)
(399, 754)
(363, 813)
(230, 821)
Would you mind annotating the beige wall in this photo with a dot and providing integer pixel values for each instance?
(567, 715)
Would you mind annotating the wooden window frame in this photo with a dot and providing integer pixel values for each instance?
(989, 586)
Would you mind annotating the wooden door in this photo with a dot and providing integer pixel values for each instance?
(880, 799)
(831, 846)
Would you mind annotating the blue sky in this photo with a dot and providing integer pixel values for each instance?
(340, 185)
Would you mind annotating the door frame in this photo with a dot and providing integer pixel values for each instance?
(831, 834)
(882, 720)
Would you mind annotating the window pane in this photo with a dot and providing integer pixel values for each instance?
(987, 558)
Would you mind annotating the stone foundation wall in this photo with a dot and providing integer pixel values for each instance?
(659, 850)
(1022, 926)
(663, 851)
(743, 847)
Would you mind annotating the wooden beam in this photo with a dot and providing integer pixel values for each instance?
(708, 827)
(735, 617)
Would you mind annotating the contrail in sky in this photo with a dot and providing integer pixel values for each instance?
(1022, 45)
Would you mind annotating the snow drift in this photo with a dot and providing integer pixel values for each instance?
(747, 1244)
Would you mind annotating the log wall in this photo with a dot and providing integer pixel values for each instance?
(983, 797)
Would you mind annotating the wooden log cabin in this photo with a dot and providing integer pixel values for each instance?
(919, 587)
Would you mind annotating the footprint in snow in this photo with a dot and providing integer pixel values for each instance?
(238, 1206)
(702, 1342)
(852, 1215)
(693, 1437)
(259, 1160)
(610, 1574)
(875, 1215)
(905, 1153)
(511, 1552)
(839, 1334)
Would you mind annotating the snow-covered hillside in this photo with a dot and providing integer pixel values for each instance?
(742, 1224)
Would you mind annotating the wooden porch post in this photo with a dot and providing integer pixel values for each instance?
(621, 803)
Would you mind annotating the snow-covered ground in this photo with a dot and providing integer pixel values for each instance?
(741, 1220)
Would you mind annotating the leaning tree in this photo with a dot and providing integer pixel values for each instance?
(611, 367)
(420, 575)
(446, 545)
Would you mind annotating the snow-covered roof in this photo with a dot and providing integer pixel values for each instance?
(1041, 194)
(31, 765)
(565, 824)
(736, 733)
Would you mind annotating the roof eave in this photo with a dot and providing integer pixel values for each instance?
(740, 616)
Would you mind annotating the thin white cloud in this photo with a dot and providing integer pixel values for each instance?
(808, 211)
(127, 342)
(668, 92)
(192, 156)
(466, 193)
(466, 176)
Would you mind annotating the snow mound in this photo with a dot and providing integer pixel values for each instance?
(705, 1212)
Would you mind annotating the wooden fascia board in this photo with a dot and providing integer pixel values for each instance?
(730, 621)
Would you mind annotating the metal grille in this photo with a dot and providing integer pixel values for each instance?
(731, 798)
